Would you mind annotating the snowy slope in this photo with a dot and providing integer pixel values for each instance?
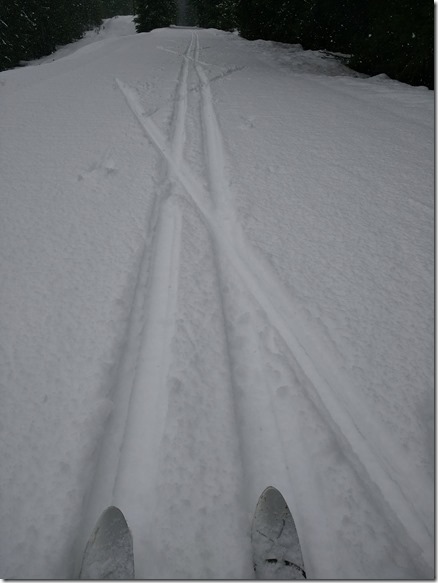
(216, 263)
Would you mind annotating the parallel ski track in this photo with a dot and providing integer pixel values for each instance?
(215, 161)
(224, 213)
(139, 390)
(329, 388)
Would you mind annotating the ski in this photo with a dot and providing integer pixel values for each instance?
(109, 552)
(275, 543)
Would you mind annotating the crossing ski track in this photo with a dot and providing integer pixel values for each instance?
(254, 320)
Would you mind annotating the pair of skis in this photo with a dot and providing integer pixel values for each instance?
(276, 547)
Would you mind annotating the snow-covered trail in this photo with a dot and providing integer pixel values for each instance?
(244, 393)
(231, 369)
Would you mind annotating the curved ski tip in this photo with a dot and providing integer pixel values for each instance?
(270, 490)
(111, 518)
(271, 499)
(109, 550)
(113, 511)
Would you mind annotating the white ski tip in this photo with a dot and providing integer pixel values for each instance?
(275, 543)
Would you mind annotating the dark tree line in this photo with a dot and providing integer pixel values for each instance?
(392, 36)
(395, 37)
(399, 41)
(32, 28)
(220, 14)
(150, 14)
(112, 8)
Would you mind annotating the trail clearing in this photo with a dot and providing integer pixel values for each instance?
(217, 275)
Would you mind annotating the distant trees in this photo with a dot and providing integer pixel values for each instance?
(152, 14)
(112, 8)
(32, 28)
(185, 15)
(215, 13)
(392, 36)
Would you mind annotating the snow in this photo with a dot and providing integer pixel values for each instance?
(217, 275)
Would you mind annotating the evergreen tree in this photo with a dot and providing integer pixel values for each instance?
(226, 15)
(399, 41)
(219, 14)
(33, 28)
(112, 8)
(152, 14)
(16, 31)
(393, 37)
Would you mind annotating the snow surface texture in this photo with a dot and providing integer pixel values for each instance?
(216, 275)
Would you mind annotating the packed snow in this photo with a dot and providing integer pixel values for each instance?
(217, 275)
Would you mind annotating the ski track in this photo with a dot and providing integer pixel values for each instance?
(259, 318)
(376, 470)
(128, 448)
